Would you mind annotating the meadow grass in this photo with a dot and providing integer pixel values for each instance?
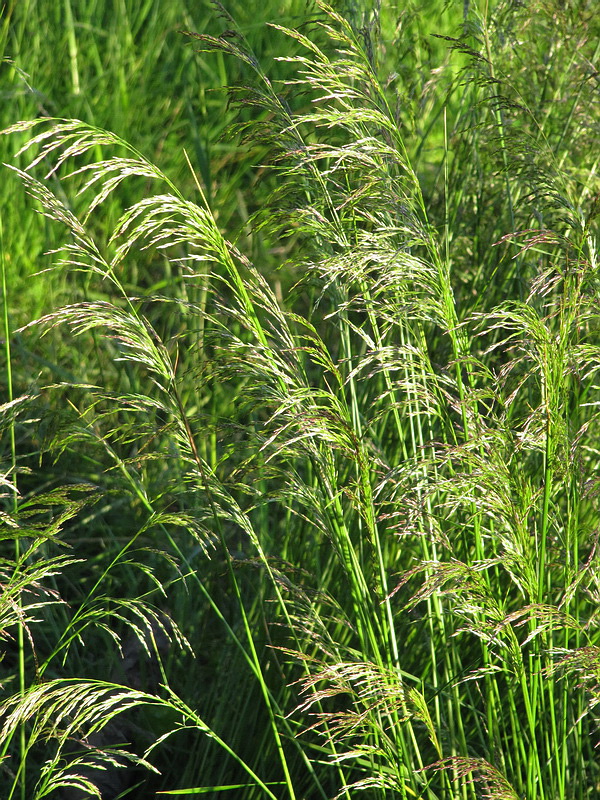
(300, 424)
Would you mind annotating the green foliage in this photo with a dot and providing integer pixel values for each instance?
(301, 494)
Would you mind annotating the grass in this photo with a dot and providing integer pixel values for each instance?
(300, 484)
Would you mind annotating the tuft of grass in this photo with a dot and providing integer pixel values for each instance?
(333, 528)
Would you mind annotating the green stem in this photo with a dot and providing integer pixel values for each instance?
(14, 502)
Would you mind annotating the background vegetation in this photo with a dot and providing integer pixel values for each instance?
(299, 416)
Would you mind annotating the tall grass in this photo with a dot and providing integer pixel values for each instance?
(333, 528)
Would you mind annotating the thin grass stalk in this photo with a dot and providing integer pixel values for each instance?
(555, 399)
(498, 114)
(199, 723)
(490, 683)
(22, 776)
(574, 557)
(72, 43)
(453, 663)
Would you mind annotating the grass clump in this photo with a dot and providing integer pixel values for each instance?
(360, 490)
